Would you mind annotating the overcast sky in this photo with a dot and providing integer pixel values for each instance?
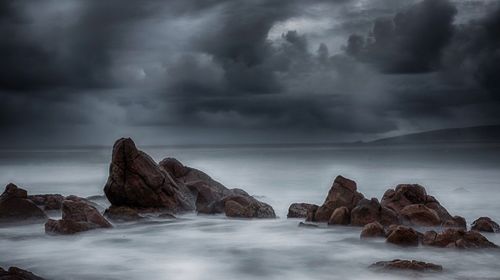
(241, 71)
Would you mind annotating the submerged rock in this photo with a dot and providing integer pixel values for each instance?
(15, 207)
(15, 273)
(406, 265)
(373, 229)
(457, 238)
(403, 236)
(485, 224)
(301, 210)
(77, 216)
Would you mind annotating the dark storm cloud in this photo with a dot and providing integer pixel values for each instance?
(410, 42)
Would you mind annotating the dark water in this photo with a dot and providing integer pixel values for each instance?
(465, 178)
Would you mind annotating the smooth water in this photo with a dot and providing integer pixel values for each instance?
(464, 178)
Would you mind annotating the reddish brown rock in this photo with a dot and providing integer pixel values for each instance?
(406, 265)
(403, 195)
(340, 216)
(485, 224)
(77, 216)
(371, 230)
(122, 213)
(342, 193)
(15, 207)
(301, 210)
(15, 273)
(47, 201)
(419, 215)
(456, 222)
(368, 211)
(239, 206)
(456, 238)
(403, 236)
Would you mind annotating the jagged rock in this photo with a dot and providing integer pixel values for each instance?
(368, 211)
(406, 265)
(342, 193)
(15, 273)
(419, 215)
(403, 236)
(340, 216)
(122, 213)
(301, 210)
(239, 206)
(485, 224)
(458, 238)
(15, 207)
(47, 201)
(373, 229)
(77, 216)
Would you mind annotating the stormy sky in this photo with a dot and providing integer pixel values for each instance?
(79, 72)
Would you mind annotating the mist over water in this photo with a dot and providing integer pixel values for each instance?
(464, 178)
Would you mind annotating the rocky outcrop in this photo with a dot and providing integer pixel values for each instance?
(15, 207)
(485, 224)
(301, 210)
(47, 201)
(15, 273)
(77, 216)
(457, 238)
(403, 236)
(122, 214)
(340, 216)
(369, 211)
(373, 229)
(342, 193)
(406, 265)
(136, 181)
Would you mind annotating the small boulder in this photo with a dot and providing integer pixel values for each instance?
(77, 216)
(419, 215)
(15, 207)
(485, 224)
(406, 265)
(403, 236)
(301, 210)
(457, 238)
(340, 216)
(15, 273)
(122, 213)
(371, 230)
(239, 206)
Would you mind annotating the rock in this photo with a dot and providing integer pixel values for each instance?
(403, 236)
(122, 213)
(77, 216)
(239, 206)
(301, 210)
(419, 215)
(308, 225)
(340, 216)
(485, 224)
(374, 229)
(166, 216)
(368, 211)
(456, 222)
(342, 193)
(15, 273)
(406, 265)
(457, 238)
(15, 207)
(403, 195)
(47, 201)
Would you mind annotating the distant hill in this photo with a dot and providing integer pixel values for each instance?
(477, 134)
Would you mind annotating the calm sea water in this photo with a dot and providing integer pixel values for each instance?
(464, 178)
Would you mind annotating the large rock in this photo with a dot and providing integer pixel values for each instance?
(403, 195)
(77, 216)
(403, 236)
(340, 216)
(419, 215)
(15, 273)
(406, 265)
(239, 206)
(15, 207)
(301, 210)
(485, 224)
(47, 201)
(369, 211)
(371, 230)
(342, 193)
(457, 238)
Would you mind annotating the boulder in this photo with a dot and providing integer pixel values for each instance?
(240, 206)
(47, 201)
(122, 213)
(15, 207)
(455, 222)
(403, 236)
(340, 216)
(485, 224)
(373, 229)
(419, 215)
(403, 195)
(368, 211)
(77, 216)
(342, 193)
(406, 265)
(456, 238)
(301, 210)
(15, 273)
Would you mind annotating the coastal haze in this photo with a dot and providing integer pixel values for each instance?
(276, 98)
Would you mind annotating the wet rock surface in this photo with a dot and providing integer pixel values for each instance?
(15, 273)
(406, 265)
(15, 207)
(485, 224)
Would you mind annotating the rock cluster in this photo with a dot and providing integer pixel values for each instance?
(15, 273)
(136, 181)
(406, 265)
(15, 207)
